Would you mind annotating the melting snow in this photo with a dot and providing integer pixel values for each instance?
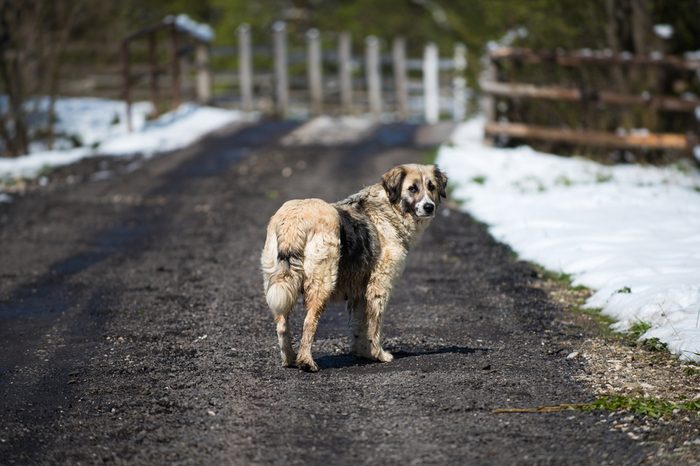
(629, 232)
(100, 125)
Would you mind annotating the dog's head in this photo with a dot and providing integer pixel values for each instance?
(415, 189)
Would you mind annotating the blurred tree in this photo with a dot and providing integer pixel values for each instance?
(33, 39)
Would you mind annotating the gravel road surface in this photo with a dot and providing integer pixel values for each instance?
(133, 328)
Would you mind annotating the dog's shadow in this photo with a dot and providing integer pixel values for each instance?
(339, 361)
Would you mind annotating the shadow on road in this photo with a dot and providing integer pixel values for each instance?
(348, 360)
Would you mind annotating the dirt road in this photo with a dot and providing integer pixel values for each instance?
(133, 327)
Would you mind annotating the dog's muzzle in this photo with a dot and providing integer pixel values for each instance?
(425, 208)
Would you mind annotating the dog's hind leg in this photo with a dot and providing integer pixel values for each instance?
(314, 308)
(284, 338)
(282, 281)
(320, 274)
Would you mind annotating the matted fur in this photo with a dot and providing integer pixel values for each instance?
(351, 250)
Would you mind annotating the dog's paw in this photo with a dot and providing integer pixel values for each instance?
(289, 360)
(308, 365)
(385, 356)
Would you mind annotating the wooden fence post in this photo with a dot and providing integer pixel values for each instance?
(374, 77)
(489, 74)
(126, 80)
(459, 83)
(431, 90)
(204, 80)
(245, 67)
(399, 59)
(314, 71)
(175, 92)
(345, 71)
(153, 65)
(281, 81)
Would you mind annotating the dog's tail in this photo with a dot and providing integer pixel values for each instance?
(282, 274)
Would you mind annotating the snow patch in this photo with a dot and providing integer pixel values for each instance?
(100, 125)
(171, 131)
(184, 23)
(326, 131)
(631, 233)
(664, 31)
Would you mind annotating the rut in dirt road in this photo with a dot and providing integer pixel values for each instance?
(134, 329)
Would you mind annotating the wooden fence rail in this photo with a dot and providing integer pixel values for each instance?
(670, 141)
(518, 90)
(604, 57)
(492, 87)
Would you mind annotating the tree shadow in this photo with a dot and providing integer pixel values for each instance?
(339, 361)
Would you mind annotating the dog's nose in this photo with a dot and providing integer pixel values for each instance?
(429, 208)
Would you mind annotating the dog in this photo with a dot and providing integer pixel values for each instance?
(352, 250)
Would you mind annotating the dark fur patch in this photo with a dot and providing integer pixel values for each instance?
(392, 182)
(283, 256)
(407, 206)
(441, 180)
(357, 242)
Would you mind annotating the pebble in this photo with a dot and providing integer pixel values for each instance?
(573, 355)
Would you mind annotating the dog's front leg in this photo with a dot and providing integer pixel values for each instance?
(357, 314)
(377, 295)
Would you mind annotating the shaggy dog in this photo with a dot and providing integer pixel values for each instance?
(352, 250)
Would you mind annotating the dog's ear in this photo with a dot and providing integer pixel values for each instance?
(392, 181)
(441, 180)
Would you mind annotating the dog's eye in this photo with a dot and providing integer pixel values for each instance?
(431, 186)
(413, 189)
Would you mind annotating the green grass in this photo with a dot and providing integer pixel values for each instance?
(638, 329)
(563, 180)
(562, 278)
(650, 344)
(642, 406)
(603, 177)
(45, 170)
(654, 344)
(638, 405)
(479, 179)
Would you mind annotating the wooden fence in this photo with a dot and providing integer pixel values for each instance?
(183, 45)
(494, 89)
(381, 80)
(339, 80)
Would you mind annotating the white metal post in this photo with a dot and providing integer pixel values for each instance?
(459, 83)
(345, 71)
(245, 67)
(281, 81)
(314, 71)
(431, 89)
(400, 79)
(374, 78)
